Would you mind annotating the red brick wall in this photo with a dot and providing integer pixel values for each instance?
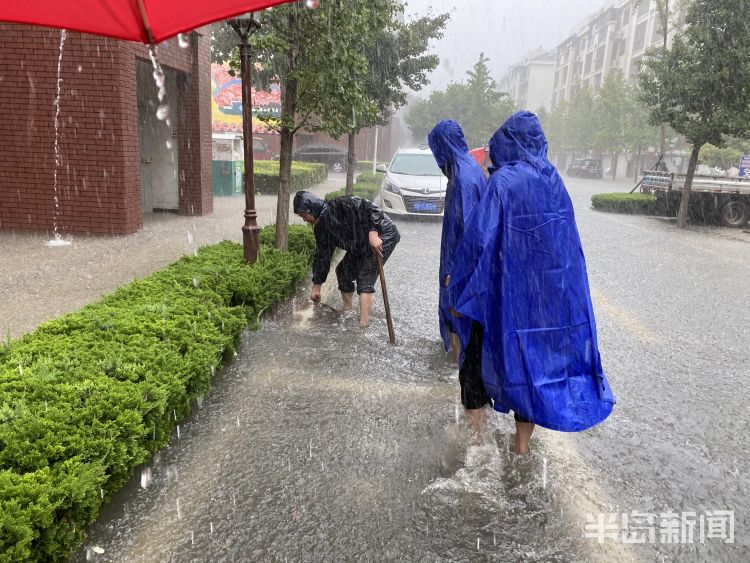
(99, 179)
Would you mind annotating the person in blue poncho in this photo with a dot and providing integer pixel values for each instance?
(465, 182)
(520, 275)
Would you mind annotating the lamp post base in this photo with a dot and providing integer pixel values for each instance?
(250, 242)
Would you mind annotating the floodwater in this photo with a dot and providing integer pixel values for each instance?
(320, 442)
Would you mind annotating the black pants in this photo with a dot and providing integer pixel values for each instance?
(473, 393)
(362, 268)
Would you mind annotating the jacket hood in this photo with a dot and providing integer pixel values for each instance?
(447, 143)
(520, 138)
(305, 202)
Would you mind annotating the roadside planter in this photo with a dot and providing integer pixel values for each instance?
(632, 204)
(88, 397)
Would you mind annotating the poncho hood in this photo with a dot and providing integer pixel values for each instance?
(306, 202)
(448, 144)
(520, 138)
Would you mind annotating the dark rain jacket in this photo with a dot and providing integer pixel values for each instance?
(346, 223)
(465, 182)
(520, 272)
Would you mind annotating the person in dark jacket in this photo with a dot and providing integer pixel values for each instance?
(357, 226)
(520, 275)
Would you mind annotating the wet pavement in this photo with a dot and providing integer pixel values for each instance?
(323, 443)
(319, 442)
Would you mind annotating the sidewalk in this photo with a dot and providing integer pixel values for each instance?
(38, 283)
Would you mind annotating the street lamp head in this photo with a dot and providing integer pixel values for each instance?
(245, 24)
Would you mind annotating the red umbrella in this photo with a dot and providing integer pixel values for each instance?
(146, 21)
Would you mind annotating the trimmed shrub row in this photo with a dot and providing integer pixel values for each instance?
(88, 397)
(367, 186)
(633, 204)
(366, 165)
(304, 175)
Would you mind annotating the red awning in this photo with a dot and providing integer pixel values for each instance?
(128, 19)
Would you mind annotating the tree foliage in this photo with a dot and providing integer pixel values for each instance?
(701, 86)
(318, 58)
(612, 120)
(476, 104)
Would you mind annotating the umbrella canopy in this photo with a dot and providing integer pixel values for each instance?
(145, 21)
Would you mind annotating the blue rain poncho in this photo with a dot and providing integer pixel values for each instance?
(520, 272)
(465, 182)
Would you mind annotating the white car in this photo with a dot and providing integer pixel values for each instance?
(413, 184)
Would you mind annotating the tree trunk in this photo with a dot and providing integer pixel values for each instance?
(285, 176)
(682, 215)
(637, 170)
(288, 114)
(615, 158)
(351, 163)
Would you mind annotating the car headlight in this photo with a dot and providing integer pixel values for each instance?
(391, 187)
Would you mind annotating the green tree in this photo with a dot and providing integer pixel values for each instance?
(398, 60)
(723, 157)
(317, 57)
(612, 112)
(476, 104)
(581, 124)
(223, 42)
(701, 86)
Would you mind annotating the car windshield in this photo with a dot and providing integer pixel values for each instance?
(415, 165)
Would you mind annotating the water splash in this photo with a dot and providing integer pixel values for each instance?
(57, 239)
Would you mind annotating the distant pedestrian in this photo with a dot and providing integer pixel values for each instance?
(357, 226)
(520, 275)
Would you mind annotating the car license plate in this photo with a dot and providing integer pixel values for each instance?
(425, 206)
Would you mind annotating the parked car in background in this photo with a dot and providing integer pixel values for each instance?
(585, 168)
(413, 184)
(261, 150)
(332, 155)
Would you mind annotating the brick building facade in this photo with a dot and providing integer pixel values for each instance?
(108, 139)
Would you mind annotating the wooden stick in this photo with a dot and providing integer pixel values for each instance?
(389, 320)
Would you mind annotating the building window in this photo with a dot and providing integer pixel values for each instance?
(626, 15)
(643, 7)
(639, 40)
(587, 65)
(599, 58)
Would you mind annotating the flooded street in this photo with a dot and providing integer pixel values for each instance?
(323, 443)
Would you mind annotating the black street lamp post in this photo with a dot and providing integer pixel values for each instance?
(245, 26)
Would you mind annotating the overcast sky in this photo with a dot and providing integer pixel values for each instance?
(505, 30)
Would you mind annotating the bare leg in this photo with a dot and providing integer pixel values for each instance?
(476, 425)
(365, 306)
(524, 430)
(455, 346)
(348, 299)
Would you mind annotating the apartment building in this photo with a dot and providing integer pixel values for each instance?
(613, 39)
(530, 82)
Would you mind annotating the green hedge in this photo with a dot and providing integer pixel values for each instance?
(304, 175)
(366, 165)
(366, 191)
(634, 204)
(370, 178)
(367, 186)
(88, 397)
